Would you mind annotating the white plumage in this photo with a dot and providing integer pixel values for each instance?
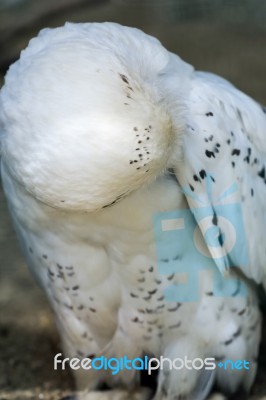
(94, 119)
(228, 143)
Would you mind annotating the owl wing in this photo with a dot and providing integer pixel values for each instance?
(223, 172)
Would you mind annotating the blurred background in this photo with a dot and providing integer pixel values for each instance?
(227, 37)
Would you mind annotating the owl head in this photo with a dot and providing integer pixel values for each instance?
(85, 116)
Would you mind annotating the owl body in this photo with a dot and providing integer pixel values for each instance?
(100, 273)
(102, 129)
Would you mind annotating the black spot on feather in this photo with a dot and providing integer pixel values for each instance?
(124, 78)
(261, 173)
(235, 152)
(209, 154)
(215, 219)
(202, 174)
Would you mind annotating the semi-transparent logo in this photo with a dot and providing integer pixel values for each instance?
(182, 247)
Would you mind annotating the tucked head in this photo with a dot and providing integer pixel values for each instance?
(84, 114)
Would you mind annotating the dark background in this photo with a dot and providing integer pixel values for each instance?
(222, 36)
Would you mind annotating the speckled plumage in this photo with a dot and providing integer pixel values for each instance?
(94, 118)
(227, 128)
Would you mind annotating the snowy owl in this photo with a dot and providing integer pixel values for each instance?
(102, 129)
